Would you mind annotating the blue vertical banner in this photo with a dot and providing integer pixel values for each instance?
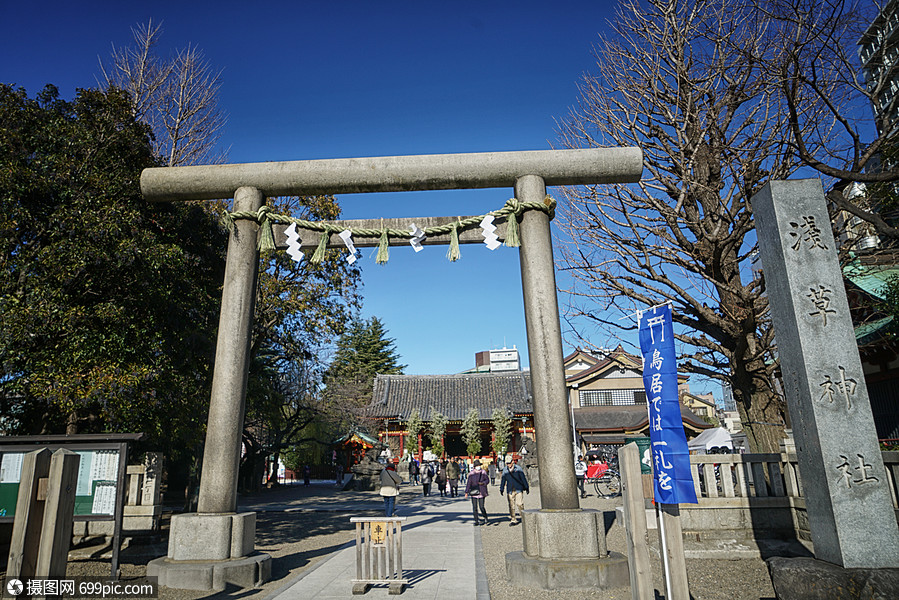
(670, 455)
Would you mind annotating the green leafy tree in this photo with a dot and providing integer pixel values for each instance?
(108, 304)
(438, 431)
(502, 431)
(713, 421)
(363, 351)
(471, 432)
(300, 308)
(414, 426)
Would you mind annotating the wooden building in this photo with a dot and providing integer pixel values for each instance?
(351, 447)
(608, 400)
(701, 405)
(395, 397)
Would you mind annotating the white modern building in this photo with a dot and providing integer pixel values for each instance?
(501, 360)
(879, 54)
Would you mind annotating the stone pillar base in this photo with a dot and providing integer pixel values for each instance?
(555, 573)
(565, 549)
(247, 572)
(811, 579)
(367, 483)
(207, 551)
(575, 533)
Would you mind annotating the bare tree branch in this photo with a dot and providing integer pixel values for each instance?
(713, 132)
(176, 97)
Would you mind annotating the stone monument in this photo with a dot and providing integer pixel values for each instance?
(368, 470)
(850, 511)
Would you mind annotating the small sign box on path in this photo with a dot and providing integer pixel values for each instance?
(379, 553)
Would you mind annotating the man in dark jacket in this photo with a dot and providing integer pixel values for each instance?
(413, 472)
(452, 475)
(515, 483)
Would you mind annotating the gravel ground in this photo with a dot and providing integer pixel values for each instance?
(299, 540)
(296, 541)
(709, 579)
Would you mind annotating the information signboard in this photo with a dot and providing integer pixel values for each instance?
(95, 493)
(100, 488)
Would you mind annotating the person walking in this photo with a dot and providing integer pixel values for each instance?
(452, 475)
(390, 482)
(440, 479)
(580, 472)
(491, 471)
(463, 471)
(413, 472)
(476, 488)
(307, 473)
(515, 483)
(427, 476)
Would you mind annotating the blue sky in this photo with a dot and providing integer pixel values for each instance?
(307, 80)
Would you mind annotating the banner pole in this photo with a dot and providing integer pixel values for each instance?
(665, 564)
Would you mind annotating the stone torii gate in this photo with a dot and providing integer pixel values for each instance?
(216, 545)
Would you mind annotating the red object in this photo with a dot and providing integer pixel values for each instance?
(594, 471)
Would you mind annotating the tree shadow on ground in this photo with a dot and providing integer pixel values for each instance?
(277, 528)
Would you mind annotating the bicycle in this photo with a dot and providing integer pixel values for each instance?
(606, 484)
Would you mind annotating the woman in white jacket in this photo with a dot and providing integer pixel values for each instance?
(390, 482)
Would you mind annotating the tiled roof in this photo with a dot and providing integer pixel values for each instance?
(870, 278)
(604, 438)
(616, 358)
(696, 398)
(396, 396)
(362, 436)
(624, 418)
(867, 333)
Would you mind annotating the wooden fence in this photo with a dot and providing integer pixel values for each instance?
(760, 494)
(763, 475)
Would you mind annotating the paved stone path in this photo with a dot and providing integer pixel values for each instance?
(442, 558)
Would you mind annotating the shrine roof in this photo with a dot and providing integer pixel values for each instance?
(396, 396)
(613, 419)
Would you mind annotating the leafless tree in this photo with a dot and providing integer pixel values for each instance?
(817, 65)
(177, 97)
(713, 131)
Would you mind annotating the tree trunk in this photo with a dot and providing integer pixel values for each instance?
(251, 471)
(72, 422)
(84, 419)
(273, 474)
(762, 410)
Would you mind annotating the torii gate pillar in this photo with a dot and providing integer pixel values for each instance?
(564, 545)
(216, 545)
(221, 452)
(558, 486)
